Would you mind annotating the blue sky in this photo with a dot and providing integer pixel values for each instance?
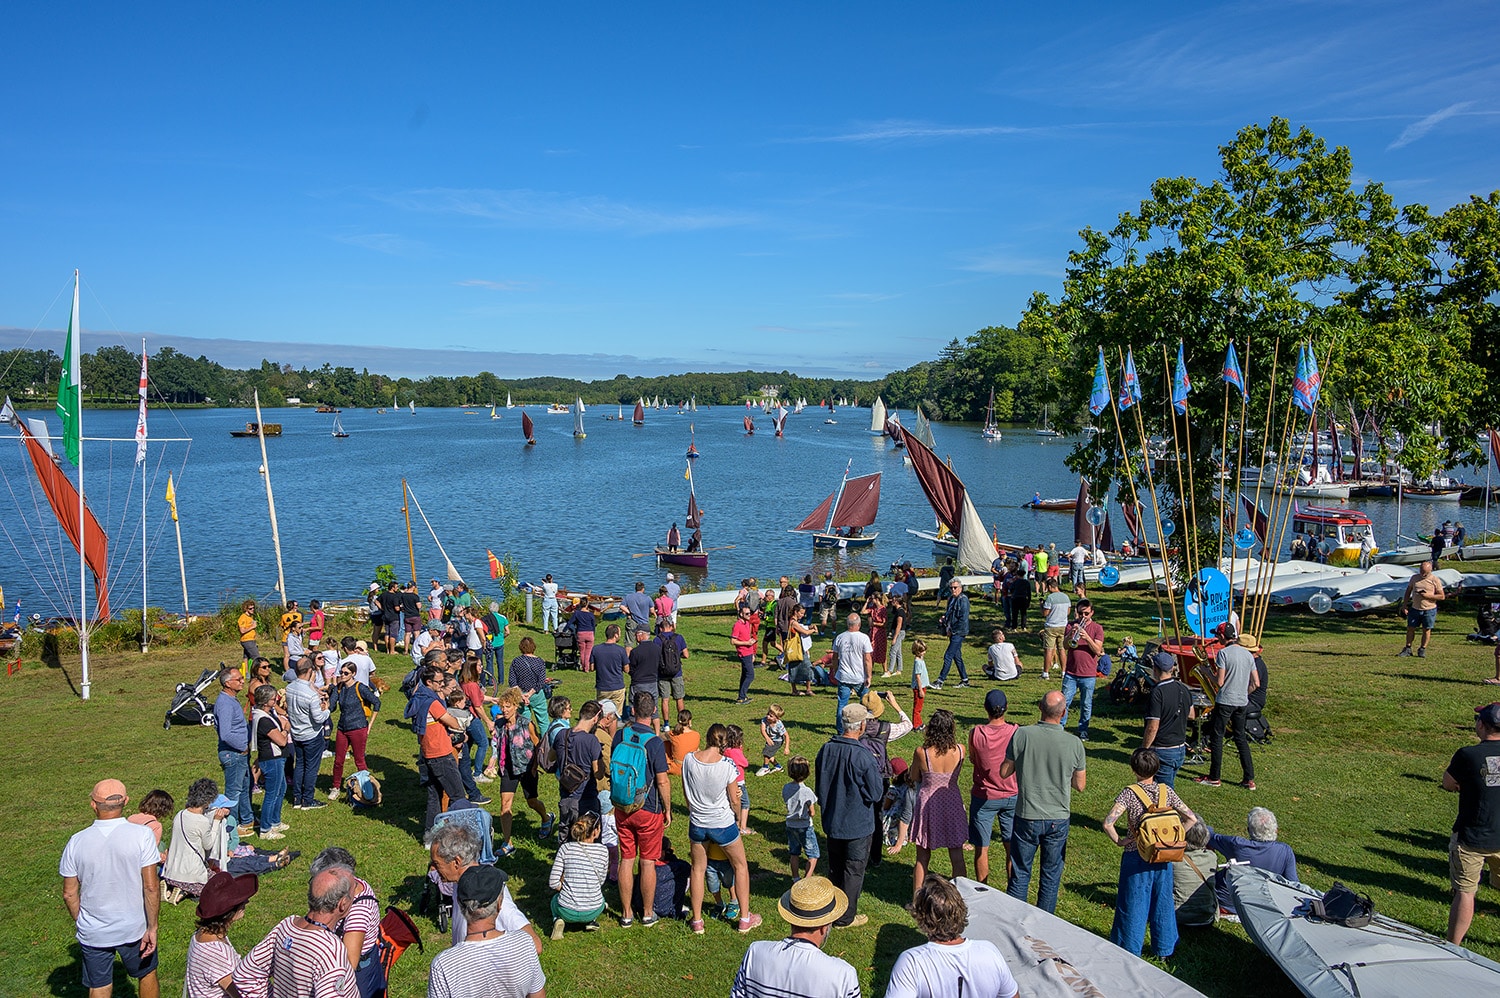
(591, 189)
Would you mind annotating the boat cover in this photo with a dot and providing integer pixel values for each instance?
(1325, 960)
(1051, 958)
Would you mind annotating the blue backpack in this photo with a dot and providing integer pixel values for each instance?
(628, 767)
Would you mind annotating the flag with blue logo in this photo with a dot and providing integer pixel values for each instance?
(1304, 391)
(1130, 384)
(1232, 372)
(1099, 400)
(1180, 384)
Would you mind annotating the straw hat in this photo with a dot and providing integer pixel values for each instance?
(812, 903)
(873, 703)
(1250, 643)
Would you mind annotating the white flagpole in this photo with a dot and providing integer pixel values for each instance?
(265, 469)
(140, 459)
(75, 363)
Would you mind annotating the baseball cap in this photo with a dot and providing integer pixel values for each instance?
(607, 708)
(223, 801)
(1489, 714)
(995, 700)
(481, 885)
(671, 577)
(1163, 661)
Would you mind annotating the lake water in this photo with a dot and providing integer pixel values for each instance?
(578, 509)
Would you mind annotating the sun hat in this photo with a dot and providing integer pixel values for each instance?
(899, 766)
(361, 646)
(374, 587)
(1250, 643)
(225, 892)
(872, 702)
(813, 902)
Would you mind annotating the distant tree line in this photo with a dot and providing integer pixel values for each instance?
(111, 376)
(957, 385)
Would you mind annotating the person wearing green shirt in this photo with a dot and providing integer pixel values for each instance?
(1049, 764)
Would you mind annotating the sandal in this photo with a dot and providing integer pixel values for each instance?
(1492, 682)
(547, 824)
(506, 851)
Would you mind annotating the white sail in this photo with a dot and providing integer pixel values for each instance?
(877, 416)
(508, 403)
(578, 419)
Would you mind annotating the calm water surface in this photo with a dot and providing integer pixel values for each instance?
(578, 509)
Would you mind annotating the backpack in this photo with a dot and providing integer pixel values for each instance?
(671, 658)
(874, 738)
(1342, 906)
(1256, 728)
(409, 683)
(628, 777)
(369, 707)
(546, 752)
(1160, 837)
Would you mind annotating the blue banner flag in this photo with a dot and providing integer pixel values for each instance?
(1180, 384)
(1130, 385)
(1099, 400)
(1314, 376)
(1303, 392)
(1232, 372)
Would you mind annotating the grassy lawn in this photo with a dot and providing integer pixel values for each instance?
(1361, 738)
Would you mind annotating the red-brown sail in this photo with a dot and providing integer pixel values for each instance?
(528, 428)
(859, 503)
(640, 415)
(818, 518)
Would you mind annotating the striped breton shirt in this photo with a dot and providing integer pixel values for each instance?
(793, 968)
(578, 874)
(292, 962)
(364, 916)
(503, 967)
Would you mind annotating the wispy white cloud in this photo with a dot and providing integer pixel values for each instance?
(899, 130)
(552, 210)
(497, 285)
(1419, 129)
(1008, 263)
(865, 296)
(384, 242)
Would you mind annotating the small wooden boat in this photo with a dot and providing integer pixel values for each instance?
(687, 559)
(327, 408)
(1423, 493)
(749, 427)
(528, 429)
(1053, 505)
(257, 429)
(338, 428)
(692, 451)
(556, 409)
(840, 520)
(697, 557)
(639, 417)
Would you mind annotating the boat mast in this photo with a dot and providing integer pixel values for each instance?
(265, 469)
(145, 624)
(828, 526)
(411, 552)
(75, 364)
(181, 563)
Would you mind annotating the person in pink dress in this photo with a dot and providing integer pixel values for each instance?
(878, 635)
(939, 820)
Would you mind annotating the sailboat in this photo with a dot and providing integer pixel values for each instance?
(693, 404)
(493, 413)
(749, 427)
(508, 403)
(877, 416)
(578, 433)
(395, 405)
(692, 451)
(990, 431)
(338, 427)
(1046, 430)
(779, 421)
(840, 520)
(411, 406)
(961, 534)
(694, 555)
(528, 429)
(639, 417)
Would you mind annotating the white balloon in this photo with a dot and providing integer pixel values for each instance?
(1319, 603)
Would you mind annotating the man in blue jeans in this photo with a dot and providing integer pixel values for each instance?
(956, 626)
(1049, 765)
(234, 748)
(1084, 641)
(856, 659)
(307, 710)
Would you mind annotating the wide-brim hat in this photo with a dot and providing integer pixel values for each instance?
(225, 892)
(813, 902)
(1250, 643)
(871, 701)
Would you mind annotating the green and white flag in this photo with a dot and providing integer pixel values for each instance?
(69, 393)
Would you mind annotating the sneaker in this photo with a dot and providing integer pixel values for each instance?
(484, 779)
(481, 799)
(546, 830)
(333, 794)
(762, 771)
(649, 921)
(1206, 782)
(626, 923)
(1083, 736)
(697, 926)
(749, 923)
(298, 807)
(1248, 784)
(272, 835)
(281, 826)
(328, 753)
(1404, 652)
(591, 926)
(1421, 653)
(314, 805)
(246, 829)
(557, 929)
(732, 912)
(742, 701)
(964, 683)
(777, 768)
(935, 686)
(856, 922)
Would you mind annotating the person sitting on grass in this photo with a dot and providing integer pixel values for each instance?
(1260, 850)
(1193, 881)
(577, 876)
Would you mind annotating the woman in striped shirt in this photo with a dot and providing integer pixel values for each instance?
(577, 876)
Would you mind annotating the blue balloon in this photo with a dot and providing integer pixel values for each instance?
(1245, 539)
(1109, 575)
(1096, 516)
(1168, 528)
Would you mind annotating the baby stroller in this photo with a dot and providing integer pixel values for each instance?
(438, 895)
(189, 705)
(565, 646)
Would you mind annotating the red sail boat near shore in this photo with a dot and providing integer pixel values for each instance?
(840, 520)
(694, 555)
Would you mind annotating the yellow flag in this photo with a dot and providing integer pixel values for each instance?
(687, 473)
(172, 497)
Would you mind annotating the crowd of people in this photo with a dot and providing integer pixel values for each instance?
(620, 758)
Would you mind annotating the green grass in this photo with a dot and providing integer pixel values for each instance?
(1361, 739)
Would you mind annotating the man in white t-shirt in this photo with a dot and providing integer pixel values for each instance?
(111, 889)
(797, 964)
(357, 654)
(1078, 557)
(856, 657)
(948, 965)
(1004, 662)
(435, 601)
(1055, 610)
